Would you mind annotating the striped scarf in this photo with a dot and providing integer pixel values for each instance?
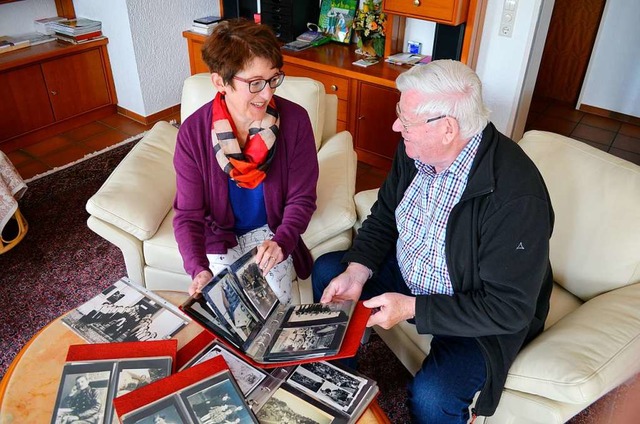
(247, 166)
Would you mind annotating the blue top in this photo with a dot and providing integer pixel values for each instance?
(248, 207)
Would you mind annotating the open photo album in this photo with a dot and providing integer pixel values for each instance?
(239, 307)
(319, 392)
(94, 374)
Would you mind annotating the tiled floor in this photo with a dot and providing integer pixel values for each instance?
(70, 146)
(618, 138)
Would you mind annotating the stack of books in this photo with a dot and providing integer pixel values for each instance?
(43, 25)
(408, 59)
(205, 25)
(79, 30)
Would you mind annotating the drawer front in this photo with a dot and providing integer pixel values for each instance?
(452, 12)
(333, 84)
(269, 5)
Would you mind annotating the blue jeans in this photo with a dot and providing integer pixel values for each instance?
(451, 374)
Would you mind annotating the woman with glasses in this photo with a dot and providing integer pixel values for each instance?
(246, 165)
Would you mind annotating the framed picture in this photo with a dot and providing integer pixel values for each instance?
(336, 18)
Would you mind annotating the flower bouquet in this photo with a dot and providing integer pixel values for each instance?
(368, 24)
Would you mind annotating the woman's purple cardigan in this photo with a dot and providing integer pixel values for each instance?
(204, 221)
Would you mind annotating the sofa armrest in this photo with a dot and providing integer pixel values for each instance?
(140, 191)
(586, 353)
(364, 201)
(335, 211)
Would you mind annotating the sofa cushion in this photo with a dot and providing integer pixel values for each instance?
(140, 191)
(161, 250)
(198, 90)
(596, 199)
(585, 354)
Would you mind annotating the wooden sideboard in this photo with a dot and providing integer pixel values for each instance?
(52, 88)
(366, 96)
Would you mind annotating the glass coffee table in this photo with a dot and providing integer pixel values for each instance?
(29, 388)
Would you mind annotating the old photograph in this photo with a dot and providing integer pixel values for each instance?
(247, 376)
(83, 393)
(329, 384)
(254, 285)
(123, 313)
(284, 407)
(229, 306)
(316, 313)
(217, 400)
(166, 411)
(322, 338)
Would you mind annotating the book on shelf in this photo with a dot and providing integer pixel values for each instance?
(207, 20)
(238, 307)
(204, 393)
(125, 311)
(302, 392)
(35, 38)
(9, 44)
(43, 25)
(94, 374)
(76, 26)
(200, 30)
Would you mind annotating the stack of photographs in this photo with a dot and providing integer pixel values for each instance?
(238, 306)
(125, 312)
(318, 392)
(203, 394)
(96, 374)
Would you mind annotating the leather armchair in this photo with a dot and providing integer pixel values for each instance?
(133, 209)
(591, 342)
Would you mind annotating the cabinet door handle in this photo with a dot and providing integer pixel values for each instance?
(334, 87)
(360, 118)
(416, 2)
(54, 93)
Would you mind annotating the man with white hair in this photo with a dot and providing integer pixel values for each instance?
(457, 243)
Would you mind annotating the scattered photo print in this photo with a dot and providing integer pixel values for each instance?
(83, 392)
(284, 407)
(328, 383)
(124, 313)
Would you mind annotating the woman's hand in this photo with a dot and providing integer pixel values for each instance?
(269, 255)
(200, 281)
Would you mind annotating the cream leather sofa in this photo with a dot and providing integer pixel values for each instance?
(591, 342)
(133, 209)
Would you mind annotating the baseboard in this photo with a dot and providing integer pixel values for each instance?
(609, 114)
(148, 120)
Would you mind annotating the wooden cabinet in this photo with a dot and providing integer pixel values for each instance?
(450, 12)
(51, 88)
(375, 111)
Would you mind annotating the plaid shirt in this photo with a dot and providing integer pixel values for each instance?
(422, 217)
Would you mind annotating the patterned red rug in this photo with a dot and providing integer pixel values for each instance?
(61, 264)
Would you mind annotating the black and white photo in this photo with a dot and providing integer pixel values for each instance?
(83, 393)
(285, 407)
(254, 284)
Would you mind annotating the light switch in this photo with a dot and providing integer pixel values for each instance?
(508, 17)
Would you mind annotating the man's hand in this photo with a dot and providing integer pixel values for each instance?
(348, 285)
(200, 281)
(269, 255)
(390, 309)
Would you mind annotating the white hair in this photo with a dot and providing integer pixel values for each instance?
(450, 88)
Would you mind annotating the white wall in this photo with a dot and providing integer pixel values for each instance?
(17, 18)
(612, 81)
(148, 54)
(508, 66)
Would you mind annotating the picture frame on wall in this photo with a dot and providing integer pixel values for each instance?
(336, 19)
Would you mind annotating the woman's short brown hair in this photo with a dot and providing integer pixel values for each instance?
(236, 42)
